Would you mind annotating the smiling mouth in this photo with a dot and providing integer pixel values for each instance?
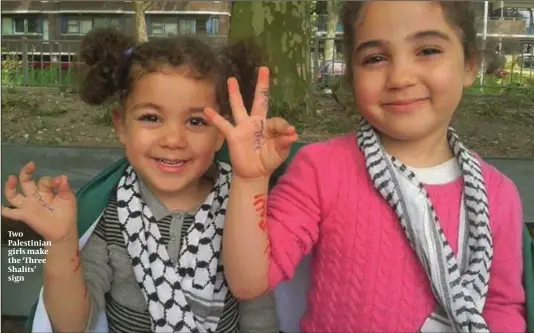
(402, 106)
(406, 102)
(175, 163)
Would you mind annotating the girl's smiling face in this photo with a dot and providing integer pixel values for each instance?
(409, 68)
(166, 136)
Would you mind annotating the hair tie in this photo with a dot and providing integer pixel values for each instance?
(129, 52)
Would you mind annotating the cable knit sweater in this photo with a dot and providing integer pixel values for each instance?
(364, 274)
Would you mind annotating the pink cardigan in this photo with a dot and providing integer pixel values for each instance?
(364, 275)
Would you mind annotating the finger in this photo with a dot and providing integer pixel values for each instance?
(277, 126)
(284, 142)
(64, 191)
(25, 178)
(222, 124)
(261, 95)
(10, 191)
(12, 213)
(46, 185)
(236, 101)
(19, 215)
(290, 130)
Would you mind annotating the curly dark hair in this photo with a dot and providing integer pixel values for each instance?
(459, 14)
(113, 62)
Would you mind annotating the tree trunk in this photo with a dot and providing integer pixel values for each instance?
(140, 21)
(332, 8)
(281, 28)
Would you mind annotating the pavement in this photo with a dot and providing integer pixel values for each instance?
(81, 164)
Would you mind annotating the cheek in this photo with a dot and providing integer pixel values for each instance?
(204, 143)
(138, 138)
(447, 78)
(367, 88)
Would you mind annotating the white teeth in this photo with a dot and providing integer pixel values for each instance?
(170, 162)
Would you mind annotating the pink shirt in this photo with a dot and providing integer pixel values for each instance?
(364, 274)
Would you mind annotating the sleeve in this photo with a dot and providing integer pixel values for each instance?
(295, 208)
(504, 310)
(97, 271)
(258, 315)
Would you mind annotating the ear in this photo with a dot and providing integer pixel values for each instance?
(470, 72)
(119, 124)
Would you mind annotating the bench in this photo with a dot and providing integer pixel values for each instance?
(81, 164)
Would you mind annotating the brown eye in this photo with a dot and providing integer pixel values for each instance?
(373, 60)
(197, 121)
(149, 118)
(429, 51)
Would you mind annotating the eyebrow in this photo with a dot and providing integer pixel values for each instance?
(196, 109)
(149, 105)
(418, 35)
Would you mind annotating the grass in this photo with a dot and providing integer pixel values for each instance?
(53, 76)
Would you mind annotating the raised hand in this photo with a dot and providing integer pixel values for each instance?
(48, 207)
(257, 145)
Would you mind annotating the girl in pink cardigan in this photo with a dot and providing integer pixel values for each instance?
(408, 229)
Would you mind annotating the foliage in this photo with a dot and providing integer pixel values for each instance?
(282, 30)
(313, 22)
(11, 69)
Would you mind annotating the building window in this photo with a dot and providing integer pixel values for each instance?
(33, 26)
(212, 26)
(21, 25)
(7, 26)
(164, 27)
(78, 25)
(107, 22)
(187, 27)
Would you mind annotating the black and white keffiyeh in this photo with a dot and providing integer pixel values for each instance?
(198, 277)
(459, 283)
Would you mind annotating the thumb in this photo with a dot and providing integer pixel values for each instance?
(283, 144)
(64, 190)
(279, 126)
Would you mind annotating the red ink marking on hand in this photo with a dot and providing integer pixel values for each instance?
(263, 224)
(260, 204)
(268, 249)
(76, 260)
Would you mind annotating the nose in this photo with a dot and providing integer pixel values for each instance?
(401, 74)
(174, 136)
